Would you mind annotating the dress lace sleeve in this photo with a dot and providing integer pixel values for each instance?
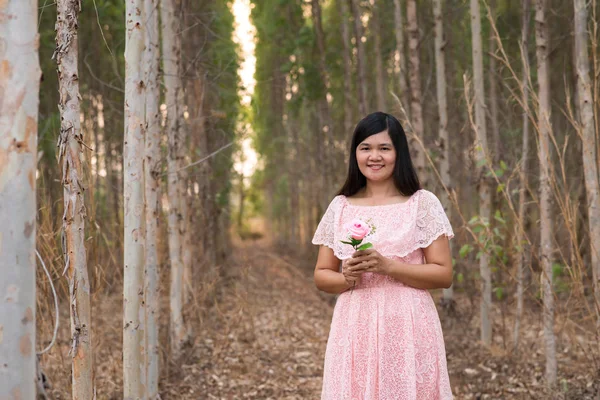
(325, 233)
(432, 221)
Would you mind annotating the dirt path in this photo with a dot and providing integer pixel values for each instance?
(262, 333)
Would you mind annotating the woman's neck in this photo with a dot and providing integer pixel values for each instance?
(377, 190)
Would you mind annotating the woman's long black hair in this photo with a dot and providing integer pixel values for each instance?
(405, 175)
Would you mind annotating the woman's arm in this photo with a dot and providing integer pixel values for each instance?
(435, 274)
(327, 278)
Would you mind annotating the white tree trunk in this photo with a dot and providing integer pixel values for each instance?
(347, 53)
(74, 206)
(440, 68)
(361, 67)
(520, 242)
(590, 167)
(493, 90)
(152, 170)
(546, 225)
(401, 57)
(481, 153)
(19, 99)
(171, 46)
(414, 76)
(134, 211)
(379, 69)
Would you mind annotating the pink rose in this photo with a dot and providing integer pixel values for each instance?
(358, 229)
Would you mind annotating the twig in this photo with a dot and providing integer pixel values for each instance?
(55, 306)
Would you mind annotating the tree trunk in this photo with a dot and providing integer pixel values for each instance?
(546, 225)
(326, 124)
(523, 249)
(74, 205)
(590, 167)
(482, 152)
(133, 192)
(440, 64)
(152, 171)
(347, 53)
(379, 70)
(19, 94)
(414, 74)
(401, 57)
(494, 91)
(360, 60)
(171, 46)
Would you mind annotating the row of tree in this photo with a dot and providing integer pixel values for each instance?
(130, 150)
(472, 85)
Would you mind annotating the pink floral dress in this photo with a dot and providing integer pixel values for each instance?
(386, 340)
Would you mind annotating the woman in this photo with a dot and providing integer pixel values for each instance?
(386, 340)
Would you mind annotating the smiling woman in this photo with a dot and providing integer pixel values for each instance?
(388, 303)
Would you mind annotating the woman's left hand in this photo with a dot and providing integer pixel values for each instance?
(369, 261)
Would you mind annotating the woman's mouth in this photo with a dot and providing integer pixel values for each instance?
(375, 167)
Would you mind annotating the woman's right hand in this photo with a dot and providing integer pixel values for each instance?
(352, 277)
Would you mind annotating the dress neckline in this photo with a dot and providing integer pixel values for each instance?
(382, 205)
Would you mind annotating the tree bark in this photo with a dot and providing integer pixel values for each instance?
(590, 166)
(440, 64)
(523, 249)
(19, 100)
(133, 192)
(482, 152)
(380, 72)
(546, 223)
(360, 59)
(74, 213)
(494, 92)
(171, 47)
(401, 57)
(347, 54)
(414, 75)
(152, 171)
(326, 122)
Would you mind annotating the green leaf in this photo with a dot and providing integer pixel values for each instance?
(473, 220)
(365, 246)
(465, 250)
(478, 229)
(460, 278)
(500, 188)
(499, 173)
(350, 243)
(499, 293)
(503, 165)
(480, 163)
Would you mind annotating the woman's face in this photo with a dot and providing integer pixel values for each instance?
(376, 157)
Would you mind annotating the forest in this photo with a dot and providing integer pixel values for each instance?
(164, 165)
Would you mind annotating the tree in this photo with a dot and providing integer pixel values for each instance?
(401, 56)
(134, 207)
(588, 137)
(74, 251)
(171, 48)
(546, 223)
(19, 99)
(152, 173)
(414, 76)
(379, 69)
(347, 54)
(524, 171)
(482, 151)
(360, 59)
(440, 68)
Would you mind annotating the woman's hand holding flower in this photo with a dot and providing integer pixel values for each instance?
(352, 277)
(369, 260)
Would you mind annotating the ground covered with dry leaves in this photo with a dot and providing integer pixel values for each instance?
(260, 333)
